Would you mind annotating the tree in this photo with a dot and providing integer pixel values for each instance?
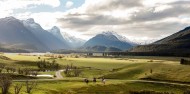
(29, 86)
(66, 69)
(20, 71)
(72, 71)
(1, 70)
(5, 83)
(2, 66)
(17, 88)
(76, 72)
(182, 61)
(45, 65)
(151, 71)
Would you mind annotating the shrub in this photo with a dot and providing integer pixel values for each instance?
(184, 62)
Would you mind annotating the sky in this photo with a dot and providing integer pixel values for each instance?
(138, 20)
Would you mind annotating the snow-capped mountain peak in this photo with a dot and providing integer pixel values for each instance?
(73, 41)
(9, 18)
(31, 23)
(67, 37)
(119, 37)
(108, 33)
(30, 20)
(109, 39)
(55, 30)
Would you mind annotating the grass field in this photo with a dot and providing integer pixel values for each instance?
(111, 87)
(117, 71)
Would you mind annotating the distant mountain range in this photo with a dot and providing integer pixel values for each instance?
(29, 36)
(175, 43)
(109, 39)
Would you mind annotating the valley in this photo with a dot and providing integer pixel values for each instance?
(94, 47)
(38, 61)
(132, 73)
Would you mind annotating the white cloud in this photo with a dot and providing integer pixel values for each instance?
(16, 4)
(140, 20)
(152, 3)
(69, 4)
(162, 8)
(7, 6)
(46, 19)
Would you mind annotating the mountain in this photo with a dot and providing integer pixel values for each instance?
(70, 40)
(56, 32)
(13, 50)
(48, 39)
(13, 34)
(27, 35)
(119, 37)
(178, 43)
(110, 39)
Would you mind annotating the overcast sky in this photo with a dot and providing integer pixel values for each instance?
(138, 20)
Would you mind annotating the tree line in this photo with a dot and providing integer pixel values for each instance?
(44, 65)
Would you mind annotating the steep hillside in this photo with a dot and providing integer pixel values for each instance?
(13, 34)
(27, 35)
(51, 41)
(178, 43)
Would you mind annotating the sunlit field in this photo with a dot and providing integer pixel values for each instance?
(122, 75)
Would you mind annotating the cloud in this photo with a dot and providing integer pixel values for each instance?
(46, 19)
(7, 7)
(148, 14)
(69, 4)
(85, 22)
(109, 5)
(152, 19)
(16, 4)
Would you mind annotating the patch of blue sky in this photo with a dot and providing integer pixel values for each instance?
(47, 8)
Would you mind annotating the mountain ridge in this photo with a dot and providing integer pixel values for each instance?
(175, 43)
(30, 36)
(27, 35)
(70, 40)
(14, 34)
(51, 42)
(109, 39)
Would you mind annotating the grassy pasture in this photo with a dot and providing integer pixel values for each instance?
(117, 71)
(24, 57)
(112, 87)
